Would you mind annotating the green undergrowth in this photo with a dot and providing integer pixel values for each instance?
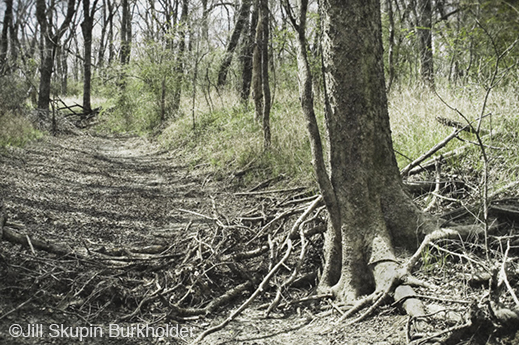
(16, 130)
(415, 129)
(219, 130)
(230, 139)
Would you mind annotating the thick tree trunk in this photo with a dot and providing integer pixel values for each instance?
(375, 213)
(233, 42)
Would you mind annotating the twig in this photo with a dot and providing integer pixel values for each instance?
(259, 290)
(198, 214)
(270, 191)
(502, 275)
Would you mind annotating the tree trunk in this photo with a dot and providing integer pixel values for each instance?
(86, 29)
(263, 47)
(374, 211)
(4, 38)
(391, 45)
(257, 88)
(49, 46)
(233, 42)
(179, 64)
(425, 42)
(246, 56)
(126, 32)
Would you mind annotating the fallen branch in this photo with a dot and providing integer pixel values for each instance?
(244, 306)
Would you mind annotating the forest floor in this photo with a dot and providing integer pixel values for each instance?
(103, 198)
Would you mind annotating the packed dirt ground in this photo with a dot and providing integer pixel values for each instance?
(116, 233)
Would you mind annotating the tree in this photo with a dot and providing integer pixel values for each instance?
(246, 55)
(49, 45)
(86, 29)
(4, 38)
(424, 23)
(363, 192)
(243, 13)
(126, 32)
(260, 75)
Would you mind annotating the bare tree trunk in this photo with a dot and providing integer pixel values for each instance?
(391, 45)
(263, 45)
(126, 32)
(425, 41)
(179, 64)
(233, 42)
(49, 46)
(374, 211)
(257, 84)
(247, 52)
(86, 28)
(106, 29)
(4, 38)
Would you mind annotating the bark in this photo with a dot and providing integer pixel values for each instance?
(86, 29)
(257, 90)
(4, 38)
(126, 32)
(49, 47)
(425, 41)
(374, 211)
(233, 42)
(246, 56)
(105, 39)
(391, 45)
(263, 45)
(332, 237)
(179, 65)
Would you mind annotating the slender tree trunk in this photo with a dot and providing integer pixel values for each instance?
(49, 46)
(4, 38)
(264, 52)
(246, 56)
(233, 42)
(425, 42)
(257, 88)
(86, 28)
(126, 32)
(179, 64)
(391, 45)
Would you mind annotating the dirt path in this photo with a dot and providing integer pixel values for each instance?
(94, 192)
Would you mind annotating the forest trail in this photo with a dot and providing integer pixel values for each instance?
(114, 190)
(125, 192)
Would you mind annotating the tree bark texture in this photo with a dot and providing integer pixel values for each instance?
(233, 42)
(257, 89)
(4, 38)
(374, 211)
(86, 29)
(126, 32)
(179, 64)
(263, 44)
(49, 45)
(246, 56)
